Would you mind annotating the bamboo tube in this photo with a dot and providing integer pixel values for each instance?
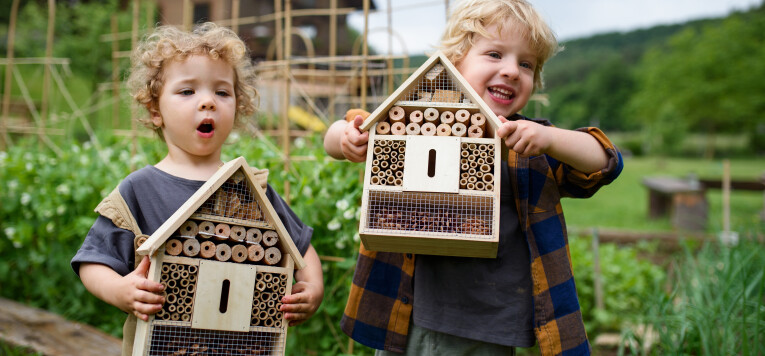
(193, 270)
(465, 167)
(190, 248)
(268, 322)
(239, 253)
(378, 148)
(272, 256)
(238, 233)
(489, 160)
(488, 178)
(396, 114)
(478, 119)
(428, 129)
(485, 168)
(413, 129)
(207, 249)
(260, 285)
(254, 235)
(165, 269)
(189, 229)
(270, 237)
(267, 277)
(171, 308)
(185, 317)
(382, 128)
(463, 183)
(444, 130)
(431, 115)
(398, 128)
(222, 231)
(171, 299)
(471, 186)
(375, 180)
(447, 117)
(184, 283)
(383, 164)
(173, 247)
(391, 180)
(459, 129)
(475, 131)
(172, 283)
(462, 116)
(479, 186)
(416, 117)
(255, 253)
(206, 229)
(222, 252)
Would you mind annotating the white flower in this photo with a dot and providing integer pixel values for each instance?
(29, 166)
(63, 189)
(50, 227)
(12, 185)
(342, 204)
(334, 225)
(47, 214)
(340, 244)
(61, 210)
(9, 232)
(84, 160)
(87, 145)
(17, 244)
(28, 156)
(3, 155)
(299, 142)
(25, 198)
(349, 214)
(356, 237)
(76, 149)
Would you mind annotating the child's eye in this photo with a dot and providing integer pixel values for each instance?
(528, 65)
(222, 93)
(494, 55)
(186, 92)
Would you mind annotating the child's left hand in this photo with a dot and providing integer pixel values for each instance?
(525, 137)
(302, 303)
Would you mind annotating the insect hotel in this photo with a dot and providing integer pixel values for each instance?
(431, 184)
(226, 261)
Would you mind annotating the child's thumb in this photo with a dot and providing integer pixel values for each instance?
(143, 267)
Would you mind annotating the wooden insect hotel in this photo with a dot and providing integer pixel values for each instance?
(431, 184)
(226, 261)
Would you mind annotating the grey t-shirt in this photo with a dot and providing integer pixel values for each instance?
(480, 298)
(153, 196)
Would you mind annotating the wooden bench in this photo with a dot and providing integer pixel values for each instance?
(683, 200)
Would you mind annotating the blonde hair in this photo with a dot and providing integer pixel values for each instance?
(167, 44)
(471, 17)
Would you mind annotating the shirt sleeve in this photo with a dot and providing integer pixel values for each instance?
(299, 232)
(577, 184)
(108, 245)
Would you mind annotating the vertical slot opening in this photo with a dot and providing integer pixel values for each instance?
(431, 163)
(224, 296)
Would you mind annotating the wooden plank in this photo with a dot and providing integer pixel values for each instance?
(234, 315)
(51, 334)
(431, 245)
(734, 184)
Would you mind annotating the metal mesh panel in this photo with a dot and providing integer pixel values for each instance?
(436, 86)
(233, 202)
(172, 339)
(430, 214)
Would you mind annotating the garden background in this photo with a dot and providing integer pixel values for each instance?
(681, 101)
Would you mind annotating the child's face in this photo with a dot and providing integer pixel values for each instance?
(197, 106)
(501, 69)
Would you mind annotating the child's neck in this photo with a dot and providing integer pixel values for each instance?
(188, 168)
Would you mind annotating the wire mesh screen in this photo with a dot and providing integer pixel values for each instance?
(233, 202)
(434, 214)
(436, 86)
(169, 338)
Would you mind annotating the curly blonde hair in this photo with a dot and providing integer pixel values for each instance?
(471, 17)
(167, 44)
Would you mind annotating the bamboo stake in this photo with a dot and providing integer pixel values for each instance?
(46, 71)
(8, 74)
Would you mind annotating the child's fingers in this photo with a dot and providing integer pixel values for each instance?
(507, 128)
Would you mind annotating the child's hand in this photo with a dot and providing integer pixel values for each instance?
(138, 295)
(525, 137)
(302, 303)
(353, 142)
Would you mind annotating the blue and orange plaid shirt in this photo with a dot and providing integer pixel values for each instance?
(380, 302)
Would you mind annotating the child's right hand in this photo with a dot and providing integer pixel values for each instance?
(139, 295)
(353, 143)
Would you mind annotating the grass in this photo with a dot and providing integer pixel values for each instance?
(624, 203)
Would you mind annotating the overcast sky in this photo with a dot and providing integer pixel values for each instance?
(419, 23)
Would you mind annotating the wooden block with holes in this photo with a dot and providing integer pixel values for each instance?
(226, 261)
(431, 181)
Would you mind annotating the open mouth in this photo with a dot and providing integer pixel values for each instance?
(502, 94)
(206, 126)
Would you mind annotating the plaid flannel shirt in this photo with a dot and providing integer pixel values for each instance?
(380, 302)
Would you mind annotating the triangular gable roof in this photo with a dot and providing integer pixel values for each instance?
(427, 72)
(269, 216)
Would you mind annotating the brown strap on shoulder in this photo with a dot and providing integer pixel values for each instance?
(114, 208)
(261, 176)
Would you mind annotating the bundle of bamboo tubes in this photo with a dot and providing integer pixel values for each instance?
(225, 242)
(180, 281)
(477, 166)
(432, 122)
(269, 290)
(388, 162)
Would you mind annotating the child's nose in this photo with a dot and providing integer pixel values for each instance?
(207, 103)
(511, 70)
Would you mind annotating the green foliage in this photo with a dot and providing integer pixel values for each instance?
(714, 307)
(626, 278)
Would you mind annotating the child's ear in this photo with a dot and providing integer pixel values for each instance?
(156, 116)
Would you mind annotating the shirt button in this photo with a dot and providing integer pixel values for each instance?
(405, 300)
(408, 255)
